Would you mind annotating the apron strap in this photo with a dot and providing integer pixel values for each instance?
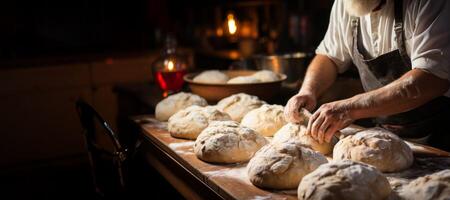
(399, 33)
(355, 25)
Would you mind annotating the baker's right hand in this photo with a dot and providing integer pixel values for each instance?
(301, 100)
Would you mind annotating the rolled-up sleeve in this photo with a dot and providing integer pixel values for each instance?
(431, 38)
(333, 44)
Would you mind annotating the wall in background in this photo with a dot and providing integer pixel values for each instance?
(39, 121)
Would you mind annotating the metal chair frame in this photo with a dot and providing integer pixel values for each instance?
(88, 116)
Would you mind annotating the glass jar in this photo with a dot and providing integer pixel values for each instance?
(169, 68)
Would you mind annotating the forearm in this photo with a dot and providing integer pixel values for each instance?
(412, 90)
(320, 75)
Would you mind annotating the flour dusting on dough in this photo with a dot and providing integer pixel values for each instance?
(176, 146)
(239, 173)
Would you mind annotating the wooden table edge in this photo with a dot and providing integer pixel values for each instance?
(187, 168)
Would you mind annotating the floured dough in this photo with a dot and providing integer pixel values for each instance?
(377, 147)
(238, 105)
(344, 179)
(189, 122)
(227, 142)
(433, 186)
(282, 165)
(174, 103)
(243, 79)
(266, 76)
(266, 120)
(298, 132)
(211, 76)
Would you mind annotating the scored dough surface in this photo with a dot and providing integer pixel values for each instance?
(282, 165)
(238, 105)
(377, 147)
(298, 132)
(189, 122)
(344, 179)
(176, 102)
(227, 142)
(266, 120)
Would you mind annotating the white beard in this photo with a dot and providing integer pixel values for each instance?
(359, 8)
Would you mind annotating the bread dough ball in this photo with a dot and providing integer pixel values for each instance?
(266, 76)
(344, 179)
(227, 142)
(243, 79)
(266, 120)
(433, 186)
(176, 102)
(238, 105)
(189, 122)
(282, 165)
(377, 147)
(211, 76)
(298, 132)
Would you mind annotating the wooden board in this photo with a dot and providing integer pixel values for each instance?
(231, 181)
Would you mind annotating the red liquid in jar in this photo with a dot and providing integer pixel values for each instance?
(170, 80)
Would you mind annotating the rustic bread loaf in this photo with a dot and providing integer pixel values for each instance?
(344, 179)
(377, 147)
(227, 142)
(282, 165)
(176, 102)
(189, 122)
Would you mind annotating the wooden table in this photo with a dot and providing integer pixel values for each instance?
(194, 179)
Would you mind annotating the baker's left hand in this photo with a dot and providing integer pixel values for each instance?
(329, 119)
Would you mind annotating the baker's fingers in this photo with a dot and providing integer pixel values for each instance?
(322, 129)
(330, 132)
(310, 122)
(315, 126)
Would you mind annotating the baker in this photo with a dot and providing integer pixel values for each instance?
(402, 51)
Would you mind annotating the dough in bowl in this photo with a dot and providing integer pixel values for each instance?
(266, 120)
(266, 76)
(176, 102)
(298, 132)
(227, 142)
(282, 165)
(238, 105)
(211, 76)
(189, 122)
(243, 79)
(376, 146)
(433, 186)
(344, 179)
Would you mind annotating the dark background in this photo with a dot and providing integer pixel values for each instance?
(53, 52)
(31, 29)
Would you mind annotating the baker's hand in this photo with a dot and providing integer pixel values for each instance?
(296, 103)
(327, 120)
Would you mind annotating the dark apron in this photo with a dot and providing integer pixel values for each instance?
(427, 122)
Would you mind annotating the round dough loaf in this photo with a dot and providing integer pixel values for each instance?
(266, 76)
(243, 79)
(298, 132)
(344, 180)
(211, 76)
(189, 122)
(282, 165)
(266, 120)
(174, 103)
(238, 105)
(377, 147)
(227, 142)
(434, 186)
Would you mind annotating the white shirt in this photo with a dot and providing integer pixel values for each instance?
(426, 29)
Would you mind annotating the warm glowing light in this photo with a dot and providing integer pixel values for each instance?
(219, 32)
(232, 27)
(170, 65)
